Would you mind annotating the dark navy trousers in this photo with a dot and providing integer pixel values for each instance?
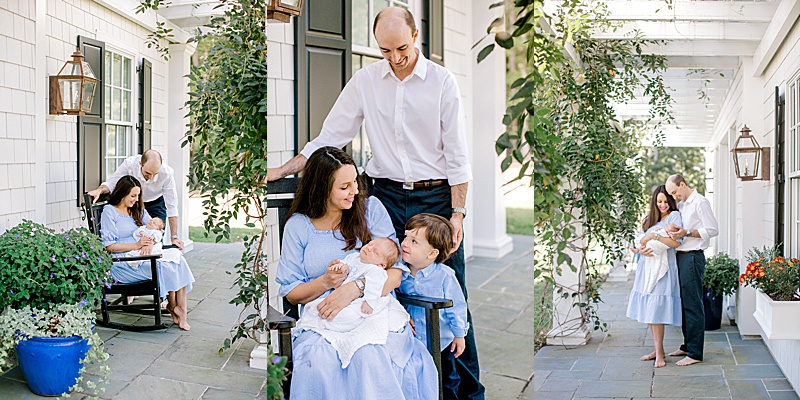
(691, 267)
(403, 204)
(157, 209)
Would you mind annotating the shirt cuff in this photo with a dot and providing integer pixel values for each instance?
(460, 332)
(309, 149)
(457, 176)
(703, 233)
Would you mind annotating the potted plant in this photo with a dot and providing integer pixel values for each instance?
(720, 279)
(49, 285)
(777, 300)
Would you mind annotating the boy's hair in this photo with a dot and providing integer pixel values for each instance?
(391, 259)
(438, 233)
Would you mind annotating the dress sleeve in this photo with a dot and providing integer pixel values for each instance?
(291, 271)
(456, 316)
(146, 217)
(108, 227)
(380, 225)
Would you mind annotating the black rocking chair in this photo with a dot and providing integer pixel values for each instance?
(91, 213)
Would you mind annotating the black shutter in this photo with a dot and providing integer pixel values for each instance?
(780, 161)
(91, 126)
(324, 63)
(145, 105)
(433, 30)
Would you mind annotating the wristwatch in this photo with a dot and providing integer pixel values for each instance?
(360, 285)
(174, 236)
(688, 233)
(461, 210)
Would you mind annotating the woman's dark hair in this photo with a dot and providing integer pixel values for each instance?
(314, 190)
(655, 214)
(122, 190)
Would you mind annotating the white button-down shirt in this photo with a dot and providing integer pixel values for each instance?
(163, 184)
(696, 215)
(416, 127)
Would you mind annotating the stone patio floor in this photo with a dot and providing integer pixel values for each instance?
(174, 364)
(609, 366)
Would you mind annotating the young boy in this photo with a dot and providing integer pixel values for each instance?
(369, 263)
(428, 242)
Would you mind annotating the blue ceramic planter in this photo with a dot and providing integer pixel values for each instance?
(51, 364)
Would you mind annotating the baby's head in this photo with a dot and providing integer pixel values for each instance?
(380, 251)
(429, 238)
(155, 223)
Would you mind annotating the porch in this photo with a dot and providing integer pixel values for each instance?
(609, 367)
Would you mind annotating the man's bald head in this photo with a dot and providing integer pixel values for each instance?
(150, 163)
(394, 16)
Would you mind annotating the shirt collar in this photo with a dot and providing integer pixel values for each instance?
(691, 197)
(420, 69)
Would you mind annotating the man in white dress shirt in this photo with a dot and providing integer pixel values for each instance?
(159, 193)
(411, 109)
(699, 226)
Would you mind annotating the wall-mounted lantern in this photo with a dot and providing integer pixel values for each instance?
(72, 90)
(284, 10)
(750, 158)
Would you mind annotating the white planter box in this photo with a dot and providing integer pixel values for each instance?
(779, 319)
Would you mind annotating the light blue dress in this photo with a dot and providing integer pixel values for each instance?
(400, 369)
(663, 304)
(117, 228)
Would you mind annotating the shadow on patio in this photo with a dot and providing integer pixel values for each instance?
(609, 366)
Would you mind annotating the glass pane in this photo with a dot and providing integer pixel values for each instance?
(111, 140)
(122, 141)
(377, 6)
(370, 60)
(107, 75)
(116, 104)
(107, 102)
(126, 102)
(126, 81)
(88, 98)
(361, 22)
(117, 75)
(70, 93)
(356, 144)
(356, 63)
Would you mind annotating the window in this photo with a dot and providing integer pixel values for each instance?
(793, 172)
(120, 141)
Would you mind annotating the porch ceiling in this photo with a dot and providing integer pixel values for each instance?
(190, 14)
(707, 41)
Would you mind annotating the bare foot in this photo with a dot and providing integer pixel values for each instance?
(175, 318)
(659, 362)
(181, 314)
(687, 361)
(677, 353)
(648, 357)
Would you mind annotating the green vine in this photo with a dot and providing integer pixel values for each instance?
(562, 128)
(228, 136)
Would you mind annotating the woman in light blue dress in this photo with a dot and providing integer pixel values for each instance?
(329, 219)
(121, 217)
(662, 305)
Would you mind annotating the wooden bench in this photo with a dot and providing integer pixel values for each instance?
(284, 322)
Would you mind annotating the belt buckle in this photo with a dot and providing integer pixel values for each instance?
(408, 185)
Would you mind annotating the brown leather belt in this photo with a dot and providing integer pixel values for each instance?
(412, 185)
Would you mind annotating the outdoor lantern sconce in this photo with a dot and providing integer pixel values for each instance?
(747, 155)
(72, 90)
(283, 10)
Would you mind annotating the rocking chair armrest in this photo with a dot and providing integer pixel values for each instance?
(277, 320)
(428, 303)
(137, 258)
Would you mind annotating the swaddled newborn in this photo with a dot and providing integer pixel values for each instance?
(655, 267)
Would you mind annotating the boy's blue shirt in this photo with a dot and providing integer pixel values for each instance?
(437, 280)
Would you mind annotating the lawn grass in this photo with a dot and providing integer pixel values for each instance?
(519, 221)
(542, 313)
(197, 234)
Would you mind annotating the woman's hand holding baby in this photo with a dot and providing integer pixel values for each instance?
(145, 241)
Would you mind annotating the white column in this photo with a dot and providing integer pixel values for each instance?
(751, 197)
(488, 106)
(41, 105)
(177, 156)
(568, 326)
